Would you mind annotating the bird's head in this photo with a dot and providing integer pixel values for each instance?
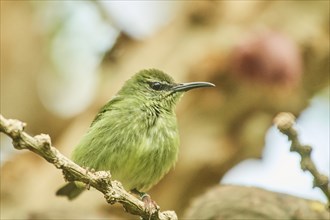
(156, 87)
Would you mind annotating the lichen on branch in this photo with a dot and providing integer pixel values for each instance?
(112, 190)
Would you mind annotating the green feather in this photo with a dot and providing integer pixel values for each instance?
(71, 190)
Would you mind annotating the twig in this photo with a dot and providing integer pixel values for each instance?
(285, 123)
(113, 190)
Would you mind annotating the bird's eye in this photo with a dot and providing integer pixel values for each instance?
(156, 86)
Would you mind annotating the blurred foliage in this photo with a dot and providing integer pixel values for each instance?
(263, 56)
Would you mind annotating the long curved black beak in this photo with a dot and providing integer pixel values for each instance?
(183, 87)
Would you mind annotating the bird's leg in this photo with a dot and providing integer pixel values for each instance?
(149, 204)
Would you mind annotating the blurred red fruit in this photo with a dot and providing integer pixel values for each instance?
(269, 58)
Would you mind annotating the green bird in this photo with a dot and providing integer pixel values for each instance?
(135, 135)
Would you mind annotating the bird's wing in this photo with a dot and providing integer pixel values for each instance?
(107, 107)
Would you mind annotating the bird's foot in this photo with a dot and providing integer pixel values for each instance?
(88, 185)
(149, 204)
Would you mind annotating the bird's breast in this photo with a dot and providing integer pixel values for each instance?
(155, 154)
(137, 147)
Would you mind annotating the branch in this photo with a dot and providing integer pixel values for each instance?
(113, 190)
(285, 123)
(250, 203)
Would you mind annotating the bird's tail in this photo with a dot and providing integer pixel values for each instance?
(70, 190)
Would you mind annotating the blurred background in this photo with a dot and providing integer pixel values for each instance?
(62, 60)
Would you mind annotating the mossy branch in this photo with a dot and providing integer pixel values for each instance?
(285, 123)
(113, 190)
